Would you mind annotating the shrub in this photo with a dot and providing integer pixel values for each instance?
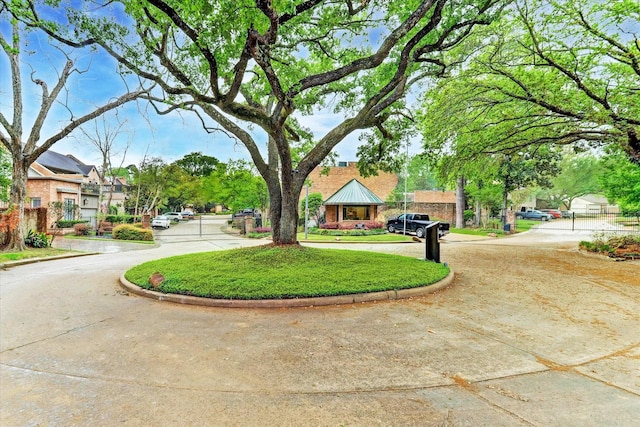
(131, 232)
(121, 219)
(65, 223)
(469, 215)
(330, 226)
(37, 240)
(81, 229)
(609, 244)
(346, 232)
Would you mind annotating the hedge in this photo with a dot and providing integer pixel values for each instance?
(130, 232)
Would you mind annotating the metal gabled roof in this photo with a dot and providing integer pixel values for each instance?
(354, 193)
(59, 163)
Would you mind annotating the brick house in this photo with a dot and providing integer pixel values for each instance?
(58, 178)
(353, 203)
(329, 183)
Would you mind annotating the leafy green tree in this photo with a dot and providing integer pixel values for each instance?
(579, 175)
(184, 189)
(485, 195)
(25, 142)
(420, 175)
(561, 72)
(236, 185)
(153, 182)
(197, 164)
(314, 204)
(256, 65)
(621, 182)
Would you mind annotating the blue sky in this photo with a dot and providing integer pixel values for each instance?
(169, 137)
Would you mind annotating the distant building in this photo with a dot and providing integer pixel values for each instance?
(329, 183)
(352, 203)
(593, 204)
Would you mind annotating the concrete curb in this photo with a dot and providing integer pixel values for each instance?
(293, 302)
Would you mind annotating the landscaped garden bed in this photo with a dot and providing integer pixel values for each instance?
(619, 247)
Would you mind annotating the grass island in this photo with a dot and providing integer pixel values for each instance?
(284, 272)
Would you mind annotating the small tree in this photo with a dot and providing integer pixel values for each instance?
(314, 205)
(104, 137)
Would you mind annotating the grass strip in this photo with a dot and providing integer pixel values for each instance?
(33, 253)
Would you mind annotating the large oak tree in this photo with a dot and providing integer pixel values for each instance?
(254, 67)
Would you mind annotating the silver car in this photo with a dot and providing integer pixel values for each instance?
(174, 216)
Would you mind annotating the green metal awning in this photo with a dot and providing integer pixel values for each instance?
(354, 193)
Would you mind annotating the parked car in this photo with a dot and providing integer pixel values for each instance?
(533, 214)
(161, 221)
(415, 223)
(567, 214)
(187, 214)
(174, 216)
(553, 212)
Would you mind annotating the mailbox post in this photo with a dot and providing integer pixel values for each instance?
(432, 242)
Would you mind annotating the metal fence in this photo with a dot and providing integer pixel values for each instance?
(605, 222)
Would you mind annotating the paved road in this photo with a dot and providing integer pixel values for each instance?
(511, 343)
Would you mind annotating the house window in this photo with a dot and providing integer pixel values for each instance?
(36, 202)
(69, 209)
(355, 213)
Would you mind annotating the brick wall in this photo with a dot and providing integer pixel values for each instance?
(423, 196)
(442, 211)
(327, 184)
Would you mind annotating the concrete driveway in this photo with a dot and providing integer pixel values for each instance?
(530, 333)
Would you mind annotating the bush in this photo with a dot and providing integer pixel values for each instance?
(469, 215)
(81, 229)
(609, 244)
(330, 226)
(37, 240)
(130, 232)
(121, 219)
(347, 231)
(64, 223)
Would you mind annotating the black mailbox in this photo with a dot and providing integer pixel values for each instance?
(432, 242)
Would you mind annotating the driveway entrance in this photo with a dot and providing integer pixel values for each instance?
(607, 223)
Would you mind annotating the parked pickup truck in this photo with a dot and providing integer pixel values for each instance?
(245, 213)
(533, 214)
(416, 223)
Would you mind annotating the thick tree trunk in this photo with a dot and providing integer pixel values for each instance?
(284, 212)
(15, 241)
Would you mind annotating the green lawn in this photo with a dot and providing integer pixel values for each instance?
(476, 231)
(526, 224)
(32, 253)
(277, 272)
